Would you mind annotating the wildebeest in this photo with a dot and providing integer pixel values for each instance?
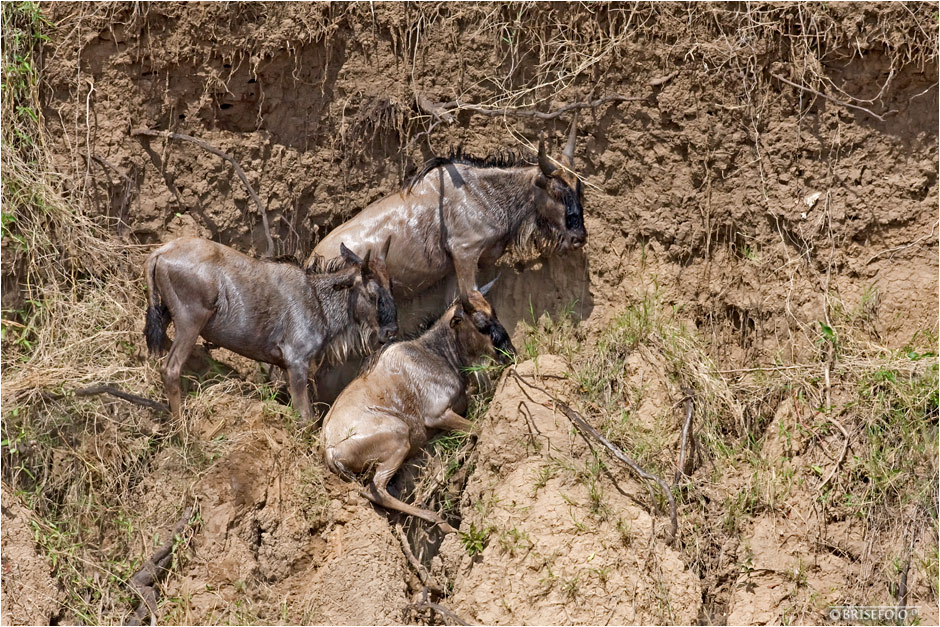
(459, 213)
(271, 312)
(385, 415)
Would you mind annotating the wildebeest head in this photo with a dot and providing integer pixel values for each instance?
(372, 302)
(560, 195)
(478, 330)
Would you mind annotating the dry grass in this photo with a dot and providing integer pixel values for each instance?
(884, 400)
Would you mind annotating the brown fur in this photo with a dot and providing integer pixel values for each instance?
(387, 413)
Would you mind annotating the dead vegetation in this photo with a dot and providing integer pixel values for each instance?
(837, 431)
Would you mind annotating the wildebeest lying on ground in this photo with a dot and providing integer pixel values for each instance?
(271, 312)
(386, 414)
(459, 213)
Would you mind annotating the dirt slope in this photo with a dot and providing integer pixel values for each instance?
(762, 220)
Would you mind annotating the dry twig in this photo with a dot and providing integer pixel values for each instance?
(420, 570)
(586, 428)
(144, 132)
(444, 111)
(687, 444)
(440, 609)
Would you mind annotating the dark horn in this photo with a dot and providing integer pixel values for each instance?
(545, 164)
(569, 149)
(365, 258)
(388, 244)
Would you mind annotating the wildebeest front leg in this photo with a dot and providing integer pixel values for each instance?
(299, 398)
(449, 420)
(379, 495)
(466, 261)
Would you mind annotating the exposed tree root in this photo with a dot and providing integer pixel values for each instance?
(113, 391)
(144, 132)
(144, 583)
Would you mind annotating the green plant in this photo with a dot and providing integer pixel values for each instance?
(475, 539)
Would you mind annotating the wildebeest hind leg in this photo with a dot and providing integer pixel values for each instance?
(449, 420)
(379, 495)
(187, 332)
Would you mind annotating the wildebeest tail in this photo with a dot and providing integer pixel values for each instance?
(158, 316)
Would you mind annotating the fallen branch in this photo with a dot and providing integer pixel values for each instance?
(423, 576)
(440, 609)
(143, 132)
(831, 98)
(687, 443)
(113, 391)
(143, 583)
(586, 428)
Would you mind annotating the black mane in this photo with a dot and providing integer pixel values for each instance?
(502, 159)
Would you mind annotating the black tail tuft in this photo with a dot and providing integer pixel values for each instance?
(158, 319)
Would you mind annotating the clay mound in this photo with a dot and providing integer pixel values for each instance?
(561, 541)
(283, 540)
(30, 594)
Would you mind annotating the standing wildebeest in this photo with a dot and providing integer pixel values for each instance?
(268, 311)
(461, 212)
(385, 415)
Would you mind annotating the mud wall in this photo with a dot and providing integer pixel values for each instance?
(774, 166)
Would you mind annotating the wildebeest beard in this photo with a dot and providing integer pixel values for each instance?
(539, 236)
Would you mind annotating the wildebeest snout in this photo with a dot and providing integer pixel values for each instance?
(503, 345)
(577, 238)
(387, 334)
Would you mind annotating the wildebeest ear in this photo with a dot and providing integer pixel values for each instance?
(349, 255)
(388, 244)
(457, 318)
(345, 282)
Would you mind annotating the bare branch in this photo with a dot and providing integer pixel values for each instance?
(831, 98)
(144, 132)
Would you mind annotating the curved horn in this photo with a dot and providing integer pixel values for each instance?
(365, 258)
(572, 134)
(486, 288)
(545, 164)
(388, 244)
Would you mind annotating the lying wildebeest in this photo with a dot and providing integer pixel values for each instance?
(459, 213)
(268, 311)
(385, 415)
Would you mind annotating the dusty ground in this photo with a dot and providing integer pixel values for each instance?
(756, 212)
